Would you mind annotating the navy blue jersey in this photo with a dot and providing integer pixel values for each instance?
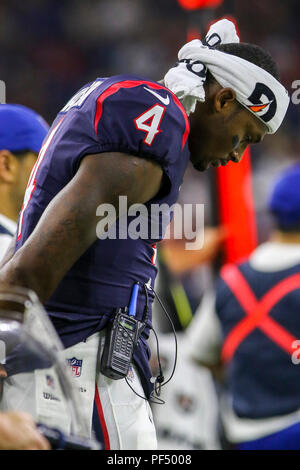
(117, 114)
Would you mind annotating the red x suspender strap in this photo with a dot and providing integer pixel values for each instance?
(257, 311)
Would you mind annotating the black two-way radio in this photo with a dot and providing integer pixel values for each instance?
(121, 338)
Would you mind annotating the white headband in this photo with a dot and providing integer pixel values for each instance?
(255, 88)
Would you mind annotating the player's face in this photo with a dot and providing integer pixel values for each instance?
(223, 137)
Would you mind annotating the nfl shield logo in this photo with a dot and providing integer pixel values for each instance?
(76, 365)
(50, 381)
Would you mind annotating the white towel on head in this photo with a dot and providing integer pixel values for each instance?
(255, 88)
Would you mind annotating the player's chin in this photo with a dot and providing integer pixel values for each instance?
(201, 166)
(216, 163)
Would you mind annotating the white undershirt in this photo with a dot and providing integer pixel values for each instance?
(275, 256)
(203, 343)
(5, 238)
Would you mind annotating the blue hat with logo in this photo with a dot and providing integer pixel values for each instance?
(21, 128)
(284, 202)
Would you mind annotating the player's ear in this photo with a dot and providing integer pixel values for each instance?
(8, 166)
(224, 99)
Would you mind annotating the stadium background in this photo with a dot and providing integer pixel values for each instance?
(50, 48)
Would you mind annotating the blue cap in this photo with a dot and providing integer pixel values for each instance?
(284, 201)
(21, 128)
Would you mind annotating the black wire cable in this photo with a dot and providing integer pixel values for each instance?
(152, 399)
(174, 332)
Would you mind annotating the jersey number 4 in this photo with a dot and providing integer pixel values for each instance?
(149, 122)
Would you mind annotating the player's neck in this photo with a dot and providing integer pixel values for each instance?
(8, 206)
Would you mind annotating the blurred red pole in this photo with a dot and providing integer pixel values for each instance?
(199, 13)
(196, 4)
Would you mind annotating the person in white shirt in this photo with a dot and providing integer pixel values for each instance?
(250, 326)
(22, 132)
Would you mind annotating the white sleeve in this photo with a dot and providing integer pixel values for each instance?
(203, 337)
(5, 241)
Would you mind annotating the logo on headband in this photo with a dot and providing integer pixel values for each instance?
(264, 102)
(195, 66)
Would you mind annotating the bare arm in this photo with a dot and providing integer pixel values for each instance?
(67, 228)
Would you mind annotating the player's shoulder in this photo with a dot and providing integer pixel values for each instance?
(129, 108)
(134, 89)
(144, 99)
